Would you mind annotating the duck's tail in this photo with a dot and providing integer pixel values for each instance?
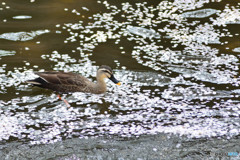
(37, 81)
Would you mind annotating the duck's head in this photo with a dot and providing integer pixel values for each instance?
(106, 72)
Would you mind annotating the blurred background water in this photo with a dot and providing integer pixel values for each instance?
(178, 62)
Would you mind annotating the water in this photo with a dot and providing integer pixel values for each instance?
(179, 97)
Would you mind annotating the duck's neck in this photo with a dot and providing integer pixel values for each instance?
(100, 86)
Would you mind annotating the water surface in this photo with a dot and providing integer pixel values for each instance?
(178, 63)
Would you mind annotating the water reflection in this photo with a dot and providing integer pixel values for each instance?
(190, 86)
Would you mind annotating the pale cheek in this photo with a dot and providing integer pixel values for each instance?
(103, 76)
(107, 76)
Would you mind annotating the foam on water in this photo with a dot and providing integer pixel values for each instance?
(131, 112)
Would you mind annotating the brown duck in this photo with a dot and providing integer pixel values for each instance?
(65, 82)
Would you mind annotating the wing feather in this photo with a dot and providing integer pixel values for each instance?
(64, 78)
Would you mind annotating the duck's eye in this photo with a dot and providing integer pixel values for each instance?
(108, 74)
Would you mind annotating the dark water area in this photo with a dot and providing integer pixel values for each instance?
(178, 62)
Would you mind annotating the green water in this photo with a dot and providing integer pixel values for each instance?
(179, 67)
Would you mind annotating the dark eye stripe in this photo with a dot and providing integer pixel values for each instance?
(106, 71)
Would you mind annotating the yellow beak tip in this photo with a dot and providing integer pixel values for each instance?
(119, 83)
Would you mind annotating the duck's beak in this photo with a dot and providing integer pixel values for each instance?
(112, 78)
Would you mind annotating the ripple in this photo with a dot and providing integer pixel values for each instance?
(202, 13)
(143, 32)
(7, 53)
(22, 17)
(22, 36)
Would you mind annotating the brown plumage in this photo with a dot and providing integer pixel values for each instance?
(65, 82)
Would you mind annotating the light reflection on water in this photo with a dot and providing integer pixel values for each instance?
(190, 87)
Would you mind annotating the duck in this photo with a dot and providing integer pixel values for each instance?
(67, 82)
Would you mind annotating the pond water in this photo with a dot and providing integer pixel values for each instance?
(178, 62)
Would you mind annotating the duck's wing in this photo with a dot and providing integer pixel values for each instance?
(62, 78)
